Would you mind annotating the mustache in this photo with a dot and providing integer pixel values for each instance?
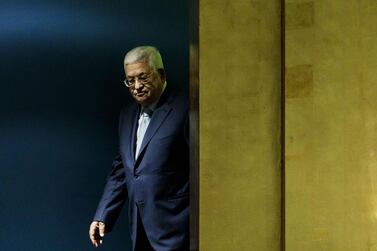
(139, 92)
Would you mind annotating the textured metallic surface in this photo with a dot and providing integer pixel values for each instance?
(239, 122)
(331, 125)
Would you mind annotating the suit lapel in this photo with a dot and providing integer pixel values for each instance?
(158, 117)
(131, 128)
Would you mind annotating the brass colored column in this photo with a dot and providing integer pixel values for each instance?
(331, 125)
(239, 125)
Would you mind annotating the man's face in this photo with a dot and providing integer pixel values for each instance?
(146, 85)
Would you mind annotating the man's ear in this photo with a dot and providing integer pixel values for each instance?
(161, 72)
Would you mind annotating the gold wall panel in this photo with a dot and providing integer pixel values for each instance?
(239, 122)
(331, 125)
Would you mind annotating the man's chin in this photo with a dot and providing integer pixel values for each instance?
(142, 100)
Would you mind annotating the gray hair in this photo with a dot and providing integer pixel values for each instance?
(148, 54)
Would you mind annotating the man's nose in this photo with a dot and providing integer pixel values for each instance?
(138, 84)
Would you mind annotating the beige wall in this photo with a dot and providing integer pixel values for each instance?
(331, 125)
(239, 97)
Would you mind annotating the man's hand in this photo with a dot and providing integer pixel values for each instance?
(96, 232)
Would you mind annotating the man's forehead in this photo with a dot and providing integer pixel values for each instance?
(137, 68)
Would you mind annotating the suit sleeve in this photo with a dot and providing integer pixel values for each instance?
(114, 195)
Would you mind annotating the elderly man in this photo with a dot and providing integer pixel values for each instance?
(151, 171)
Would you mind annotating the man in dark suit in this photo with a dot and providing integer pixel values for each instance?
(151, 171)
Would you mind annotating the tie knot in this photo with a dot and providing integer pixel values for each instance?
(147, 112)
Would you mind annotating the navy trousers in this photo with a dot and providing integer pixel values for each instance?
(142, 242)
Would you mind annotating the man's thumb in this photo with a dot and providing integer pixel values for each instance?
(101, 229)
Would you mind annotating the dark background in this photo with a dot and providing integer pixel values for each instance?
(60, 78)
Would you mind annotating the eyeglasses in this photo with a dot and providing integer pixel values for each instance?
(143, 78)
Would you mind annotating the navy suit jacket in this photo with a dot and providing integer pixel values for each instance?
(157, 182)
